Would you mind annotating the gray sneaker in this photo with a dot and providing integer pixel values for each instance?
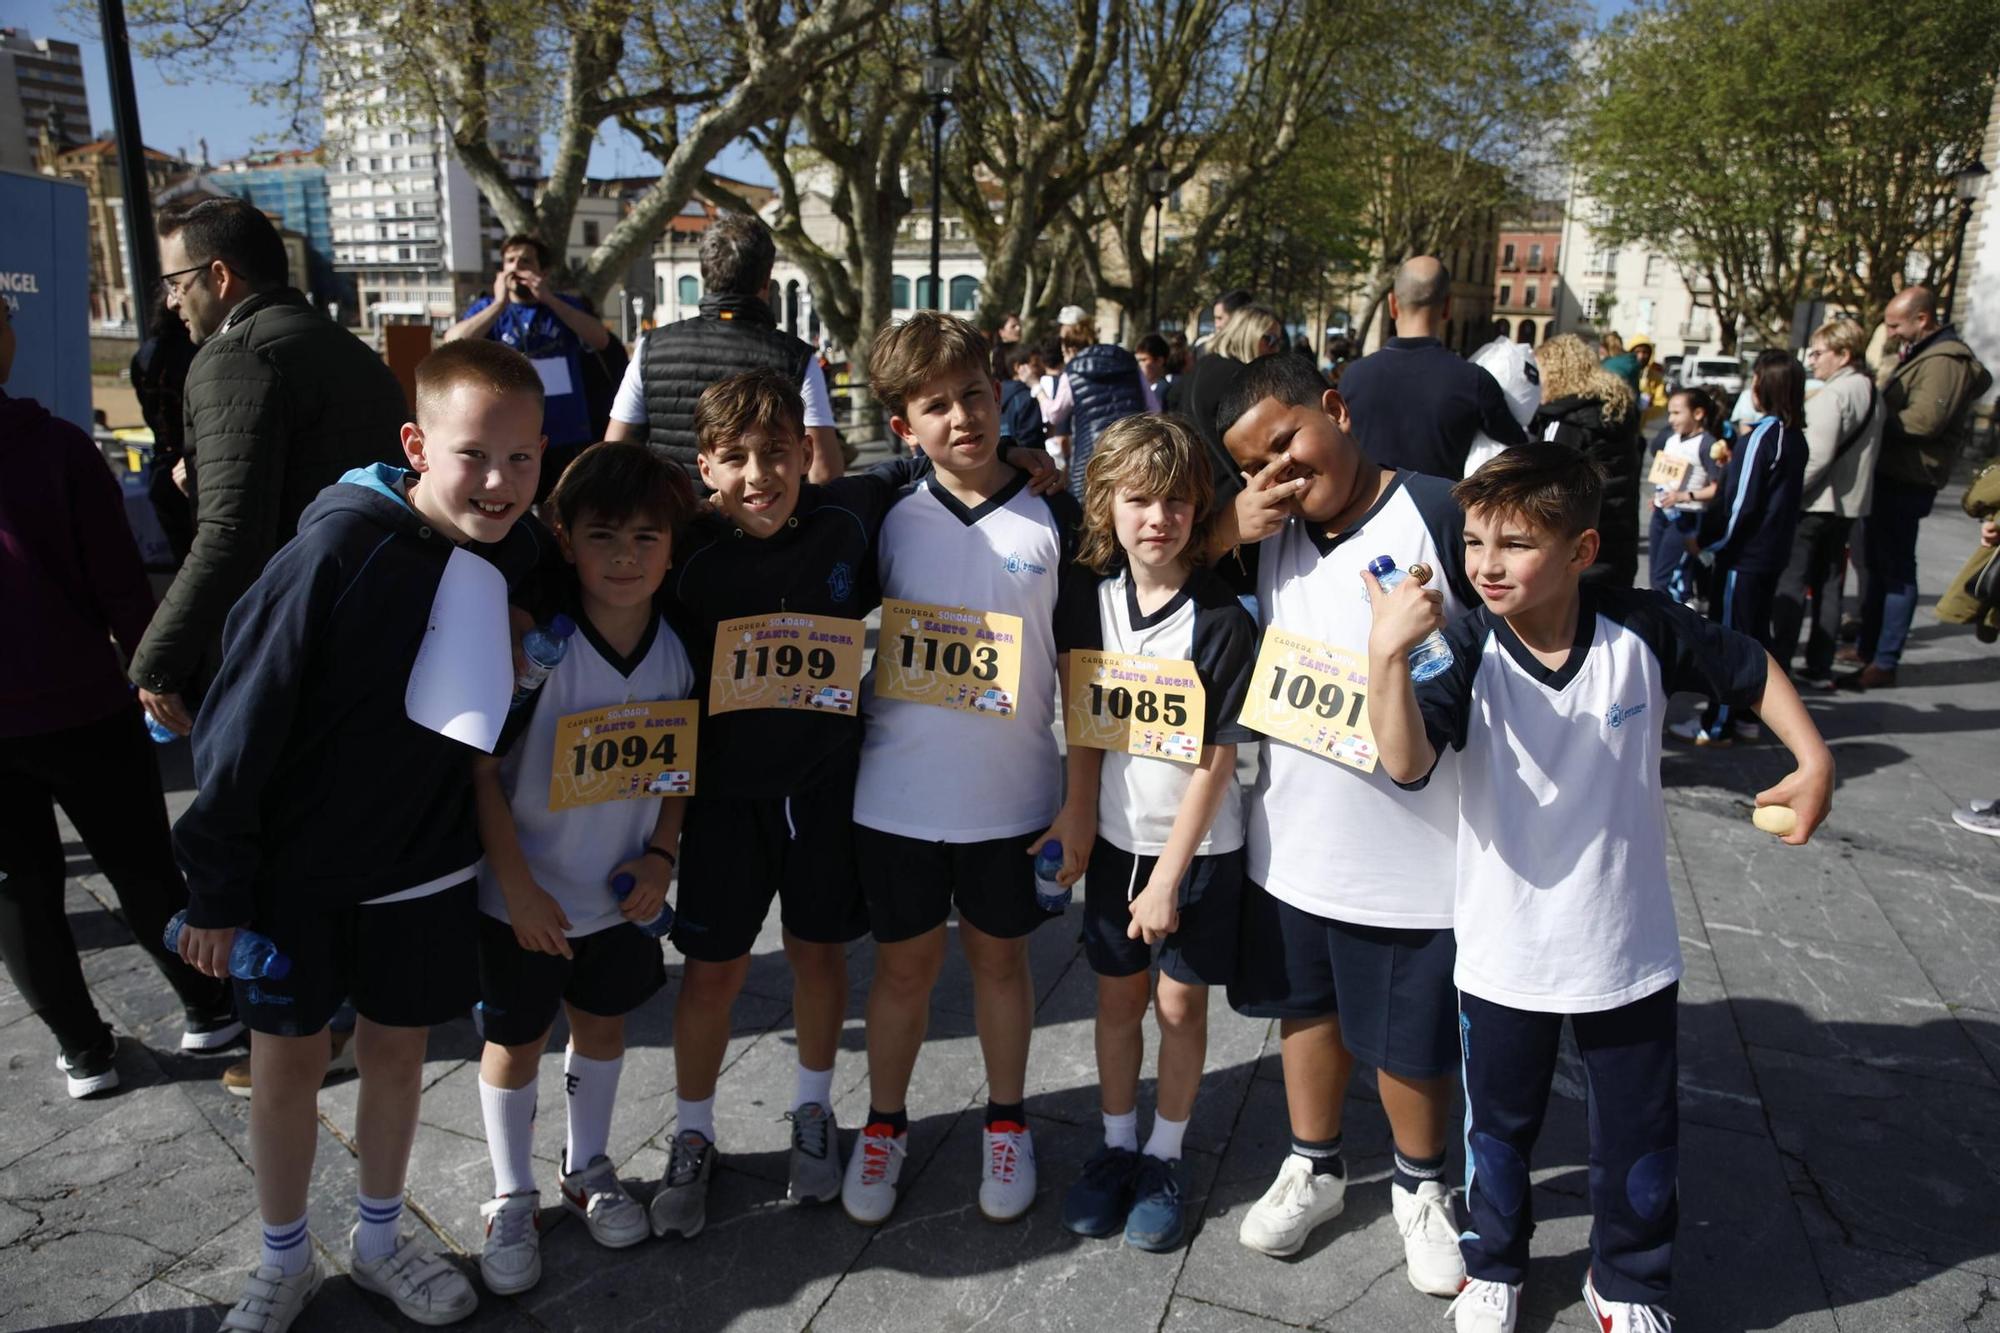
(680, 1206)
(815, 1155)
(1979, 817)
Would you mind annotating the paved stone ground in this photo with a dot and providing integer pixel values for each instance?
(1840, 1093)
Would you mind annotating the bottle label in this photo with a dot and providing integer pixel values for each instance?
(1312, 695)
(627, 752)
(787, 660)
(950, 657)
(1150, 706)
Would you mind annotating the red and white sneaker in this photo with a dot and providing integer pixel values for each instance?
(1623, 1316)
(1485, 1307)
(868, 1192)
(1007, 1177)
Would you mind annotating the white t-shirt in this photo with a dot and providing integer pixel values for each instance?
(1694, 448)
(572, 852)
(1324, 837)
(1139, 796)
(949, 776)
(1563, 901)
(629, 404)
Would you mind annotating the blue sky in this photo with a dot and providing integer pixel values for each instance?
(174, 114)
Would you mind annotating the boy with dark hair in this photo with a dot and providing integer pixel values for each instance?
(1553, 700)
(1346, 930)
(982, 603)
(332, 822)
(1020, 415)
(559, 834)
(772, 815)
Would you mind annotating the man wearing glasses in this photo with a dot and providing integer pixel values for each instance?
(279, 402)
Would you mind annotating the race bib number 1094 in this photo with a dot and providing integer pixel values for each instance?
(624, 752)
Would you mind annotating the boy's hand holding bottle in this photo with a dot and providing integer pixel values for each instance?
(651, 876)
(1405, 616)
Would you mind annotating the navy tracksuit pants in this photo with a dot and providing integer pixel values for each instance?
(1632, 1070)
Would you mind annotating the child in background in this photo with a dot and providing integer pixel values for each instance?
(1553, 702)
(1168, 865)
(553, 933)
(1677, 508)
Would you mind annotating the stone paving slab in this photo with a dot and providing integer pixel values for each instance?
(1840, 1048)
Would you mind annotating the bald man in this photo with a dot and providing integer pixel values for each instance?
(1416, 403)
(1929, 397)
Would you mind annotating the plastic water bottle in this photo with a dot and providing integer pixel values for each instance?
(161, 733)
(1431, 656)
(544, 646)
(659, 925)
(251, 957)
(1050, 896)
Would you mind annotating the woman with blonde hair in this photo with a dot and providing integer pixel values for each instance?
(1596, 413)
(1100, 384)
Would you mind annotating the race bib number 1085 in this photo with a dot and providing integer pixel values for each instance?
(1152, 706)
(1312, 695)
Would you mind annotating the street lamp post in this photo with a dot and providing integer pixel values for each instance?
(1157, 179)
(1966, 187)
(940, 70)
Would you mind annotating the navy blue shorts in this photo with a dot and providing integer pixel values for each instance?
(912, 884)
(1390, 987)
(1200, 952)
(615, 970)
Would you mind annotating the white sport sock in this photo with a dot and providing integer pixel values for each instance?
(1122, 1131)
(813, 1085)
(697, 1116)
(510, 1136)
(375, 1238)
(287, 1248)
(593, 1088)
(1165, 1142)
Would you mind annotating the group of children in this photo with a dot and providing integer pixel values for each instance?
(1515, 797)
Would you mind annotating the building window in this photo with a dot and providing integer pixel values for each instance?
(659, 291)
(1604, 263)
(899, 292)
(1534, 293)
(965, 293)
(1535, 257)
(690, 289)
(927, 293)
(590, 234)
(1506, 294)
(1652, 269)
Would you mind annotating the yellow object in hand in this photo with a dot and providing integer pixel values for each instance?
(1776, 820)
(1719, 451)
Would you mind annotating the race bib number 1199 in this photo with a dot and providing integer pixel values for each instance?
(1312, 695)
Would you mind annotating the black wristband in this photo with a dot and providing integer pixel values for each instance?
(661, 852)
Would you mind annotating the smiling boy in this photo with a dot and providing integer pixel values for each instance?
(331, 823)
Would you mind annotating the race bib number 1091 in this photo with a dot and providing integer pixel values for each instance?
(1312, 695)
(949, 657)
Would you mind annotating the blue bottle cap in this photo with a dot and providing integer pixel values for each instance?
(1382, 564)
(1052, 850)
(562, 626)
(278, 968)
(623, 884)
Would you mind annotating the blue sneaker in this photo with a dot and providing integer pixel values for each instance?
(1156, 1222)
(1096, 1205)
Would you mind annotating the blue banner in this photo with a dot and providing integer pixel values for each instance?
(45, 280)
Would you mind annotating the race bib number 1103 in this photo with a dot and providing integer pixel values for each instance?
(949, 657)
(1312, 695)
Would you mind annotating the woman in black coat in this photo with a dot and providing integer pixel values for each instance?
(1592, 410)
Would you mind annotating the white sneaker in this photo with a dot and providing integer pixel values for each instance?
(271, 1301)
(868, 1191)
(1623, 1317)
(1485, 1307)
(1007, 1172)
(1430, 1238)
(511, 1261)
(596, 1195)
(1297, 1201)
(423, 1286)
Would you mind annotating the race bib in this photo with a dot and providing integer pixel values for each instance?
(1308, 694)
(786, 660)
(949, 657)
(625, 752)
(1669, 471)
(1151, 706)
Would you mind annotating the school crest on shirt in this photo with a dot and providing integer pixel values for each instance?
(1013, 563)
(840, 581)
(1619, 714)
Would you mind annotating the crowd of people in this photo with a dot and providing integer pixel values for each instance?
(1318, 652)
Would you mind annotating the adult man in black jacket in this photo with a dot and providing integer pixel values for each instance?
(279, 402)
(734, 332)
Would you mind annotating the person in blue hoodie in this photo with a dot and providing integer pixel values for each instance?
(1748, 527)
(335, 825)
